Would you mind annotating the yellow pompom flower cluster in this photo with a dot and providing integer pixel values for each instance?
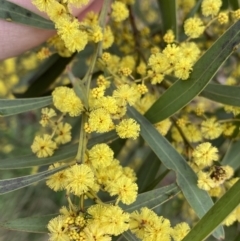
(211, 129)
(210, 176)
(128, 128)
(169, 37)
(126, 94)
(100, 155)
(63, 133)
(177, 59)
(101, 222)
(236, 14)
(124, 188)
(147, 226)
(73, 38)
(47, 114)
(79, 179)
(180, 231)
(163, 126)
(192, 132)
(212, 179)
(74, 34)
(46, 145)
(119, 11)
(98, 223)
(106, 110)
(57, 181)
(65, 100)
(223, 18)
(118, 181)
(193, 27)
(87, 177)
(211, 7)
(43, 146)
(111, 219)
(204, 154)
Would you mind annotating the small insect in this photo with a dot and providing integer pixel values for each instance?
(218, 173)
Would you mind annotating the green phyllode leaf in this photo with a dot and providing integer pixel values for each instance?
(64, 153)
(216, 215)
(130, 237)
(198, 199)
(16, 106)
(45, 75)
(234, 4)
(151, 199)
(195, 9)
(168, 11)
(225, 94)
(147, 172)
(11, 12)
(232, 156)
(29, 224)
(182, 92)
(9, 185)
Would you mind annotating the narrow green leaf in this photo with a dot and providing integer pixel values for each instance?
(156, 181)
(29, 224)
(225, 5)
(195, 9)
(130, 237)
(147, 171)
(237, 238)
(216, 215)
(182, 92)
(168, 11)
(16, 106)
(64, 153)
(198, 199)
(43, 79)
(67, 152)
(33, 75)
(232, 157)
(153, 198)
(117, 145)
(234, 4)
(225, 94)
(9, 185)
(11, 12)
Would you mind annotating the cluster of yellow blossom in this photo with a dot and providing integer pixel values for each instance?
(211, 7)
(177, 59)
(211, 176)
(91, 175)
(99, 222)
(65, 100)
(61, 134)
(130, 80)
(8, 77)
(105, 110)
(73, 35)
